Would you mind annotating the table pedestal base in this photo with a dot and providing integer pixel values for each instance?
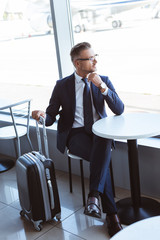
(6, 164)
(128, 215)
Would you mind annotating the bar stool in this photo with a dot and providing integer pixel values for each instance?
(19, 113)
(72, 156)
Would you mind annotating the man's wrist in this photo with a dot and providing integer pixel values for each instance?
(102, 87)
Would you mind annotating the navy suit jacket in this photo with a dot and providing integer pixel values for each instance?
(62, 102)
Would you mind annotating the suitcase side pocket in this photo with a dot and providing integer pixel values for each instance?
(44, 188)
(54, 197)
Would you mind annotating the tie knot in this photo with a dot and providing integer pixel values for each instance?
(85, 80)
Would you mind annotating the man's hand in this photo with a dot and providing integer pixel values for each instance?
(37, 113)
(95, 79)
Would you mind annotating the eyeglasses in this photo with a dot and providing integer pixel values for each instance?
(89, 59)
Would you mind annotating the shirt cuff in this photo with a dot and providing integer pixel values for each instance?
(106, 91)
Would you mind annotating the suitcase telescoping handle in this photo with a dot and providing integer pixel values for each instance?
(42, 122)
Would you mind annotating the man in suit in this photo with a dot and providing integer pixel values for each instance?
(70, 97)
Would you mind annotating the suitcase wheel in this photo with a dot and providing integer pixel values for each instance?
(22, 213)
(37, 224)
(38, 227)
(58, 216)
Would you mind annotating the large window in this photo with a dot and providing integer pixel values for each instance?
(126, 36)
(28, 56)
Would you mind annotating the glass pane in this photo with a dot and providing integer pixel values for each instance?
(28, 56)
(126, 36)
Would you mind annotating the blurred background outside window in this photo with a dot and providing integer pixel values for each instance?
(28, 56)
(125, 34)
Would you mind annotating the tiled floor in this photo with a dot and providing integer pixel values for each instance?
(74, 224)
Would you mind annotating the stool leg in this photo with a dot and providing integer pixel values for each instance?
(82, 182)
(70, 174)
(18, 146)
(112, 178)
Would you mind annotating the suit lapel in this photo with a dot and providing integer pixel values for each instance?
(71, 92)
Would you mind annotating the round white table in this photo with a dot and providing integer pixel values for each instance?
(146, 229)
(132, 126)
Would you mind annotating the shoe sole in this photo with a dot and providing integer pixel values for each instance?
(92, 214)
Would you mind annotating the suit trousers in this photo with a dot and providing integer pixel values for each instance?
(97, 151)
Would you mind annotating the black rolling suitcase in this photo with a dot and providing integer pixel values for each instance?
(37, 186)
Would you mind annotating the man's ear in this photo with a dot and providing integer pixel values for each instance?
(76, 63)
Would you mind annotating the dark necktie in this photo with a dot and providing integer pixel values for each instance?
(87, 108)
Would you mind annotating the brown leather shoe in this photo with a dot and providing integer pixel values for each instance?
(114, 224)
(93, 207)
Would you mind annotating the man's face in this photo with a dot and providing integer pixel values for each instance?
(86, 62)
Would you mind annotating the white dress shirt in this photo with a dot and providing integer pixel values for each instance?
(79, 116)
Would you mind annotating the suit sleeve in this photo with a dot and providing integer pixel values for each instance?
(112, 99)
(54, 105)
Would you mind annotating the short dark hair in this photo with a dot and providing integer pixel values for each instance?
(76, 50)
